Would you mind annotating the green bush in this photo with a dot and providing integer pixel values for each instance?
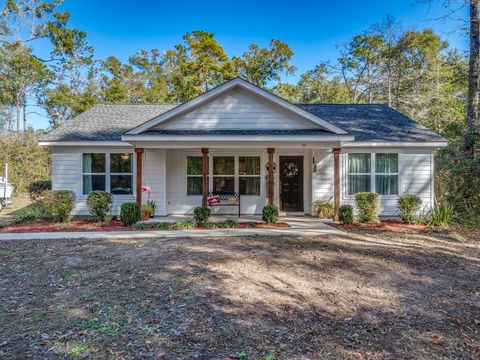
(58, 204)
(230, 224)
(442, 216)
(36, 189)
(99, 205)
(151, 206)
(408, 206)
(345, 214)
(202, 214)
(185, 225)
(368, 206)
(30, 214)
(270, 214)
(130, 213)
(324, 209)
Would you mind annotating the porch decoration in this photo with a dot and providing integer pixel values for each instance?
(290, 170)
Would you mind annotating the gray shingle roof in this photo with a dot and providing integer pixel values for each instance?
(240, 132)
(367, 122)
(372, 122)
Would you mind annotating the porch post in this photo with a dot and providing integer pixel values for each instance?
(205, 176)
(336, 181)
(270, 185)
(139, 152)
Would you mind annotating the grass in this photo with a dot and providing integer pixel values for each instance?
(360, 295)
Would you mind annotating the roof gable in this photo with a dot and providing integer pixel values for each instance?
(219, 109)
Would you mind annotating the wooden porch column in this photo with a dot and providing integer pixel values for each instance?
(139, 152)
(270, 185)
(205, 176)
(336, 181)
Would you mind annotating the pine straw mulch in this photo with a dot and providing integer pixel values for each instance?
(355, 296)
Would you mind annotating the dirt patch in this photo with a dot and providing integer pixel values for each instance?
(386, 225)
(355, 296)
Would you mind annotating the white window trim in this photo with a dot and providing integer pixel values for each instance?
(108, 174)
(187, 175)
(236, 176)
(373, 174)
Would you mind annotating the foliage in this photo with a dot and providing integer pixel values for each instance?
(230, 224)
(409, 204)
(201, 215)
(441, 216)
(185, 225)
(30, 214)
(151, 206)
(58, 204)
(130, 213)
(324, 209)
(368, 206)
(153, 226)
(99, 204)
(36, 189)
(270, 214)
(345, 214)
(28, 162)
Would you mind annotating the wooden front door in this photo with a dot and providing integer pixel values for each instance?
(291, 183)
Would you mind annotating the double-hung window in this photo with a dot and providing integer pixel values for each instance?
(372, 173)
(223, 174)
(111, 172)
(194, 175)
(249, 175)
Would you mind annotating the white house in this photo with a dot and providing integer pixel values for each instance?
(234, 139)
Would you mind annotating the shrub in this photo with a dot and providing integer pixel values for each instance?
(130, 213)
(442, 215)
(202, 214)
(324, 209)
(345, 214)
(28, 215)
(270, 214)
(58, 204)
(230, 224)
(409, 205)
(151, 206)
(99, 205)
(36, 189)
(368, 206)
(185, 225)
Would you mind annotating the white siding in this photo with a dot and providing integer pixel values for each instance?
(237, 109)
(416, 177)
(154, 173)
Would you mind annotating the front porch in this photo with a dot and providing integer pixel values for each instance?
(180, 179)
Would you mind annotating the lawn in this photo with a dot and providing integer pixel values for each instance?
(361, 295)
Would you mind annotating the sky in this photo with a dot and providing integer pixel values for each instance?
(313, 29)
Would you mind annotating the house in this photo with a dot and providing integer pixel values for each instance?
(239, 138)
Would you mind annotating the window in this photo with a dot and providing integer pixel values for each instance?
(108, 172)
(94, 172)
(386, 174)
(121, 174)
(372, 172)
(359, 173)
(194, 175)
(223, 174)
(249, 175)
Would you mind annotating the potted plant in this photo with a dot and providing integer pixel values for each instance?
(150, 204)
(145, 210)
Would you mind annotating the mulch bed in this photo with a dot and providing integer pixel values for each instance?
(115, 225)
(386, 225)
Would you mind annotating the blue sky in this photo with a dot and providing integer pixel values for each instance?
(313, 29)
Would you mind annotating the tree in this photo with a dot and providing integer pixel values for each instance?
(261, 65)
(119, 82)
(196, 66)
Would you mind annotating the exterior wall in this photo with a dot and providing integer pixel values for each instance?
(67, 175)
(237, 109)
(154, 175)
(416, 177)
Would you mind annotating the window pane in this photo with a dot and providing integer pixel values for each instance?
(358, 183)
(249, 165)
(224, 185)
(223, 165)
(121, 184)
(358, 163)
(194, 185)
(121, 163)
(386, 184)
(93, 182)
(194, 165)
(93, 163)
(249, 185)
(386, 163)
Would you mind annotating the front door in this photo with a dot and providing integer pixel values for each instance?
(291, 183)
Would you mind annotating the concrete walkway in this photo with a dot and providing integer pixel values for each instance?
(304, 226)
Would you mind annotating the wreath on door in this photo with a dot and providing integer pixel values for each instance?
(290, 170)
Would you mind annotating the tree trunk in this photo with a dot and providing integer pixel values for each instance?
(24, 117)
(471, 122)
(17, 107)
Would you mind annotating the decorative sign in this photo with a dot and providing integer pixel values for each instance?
(274, 167)
(290, 170)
